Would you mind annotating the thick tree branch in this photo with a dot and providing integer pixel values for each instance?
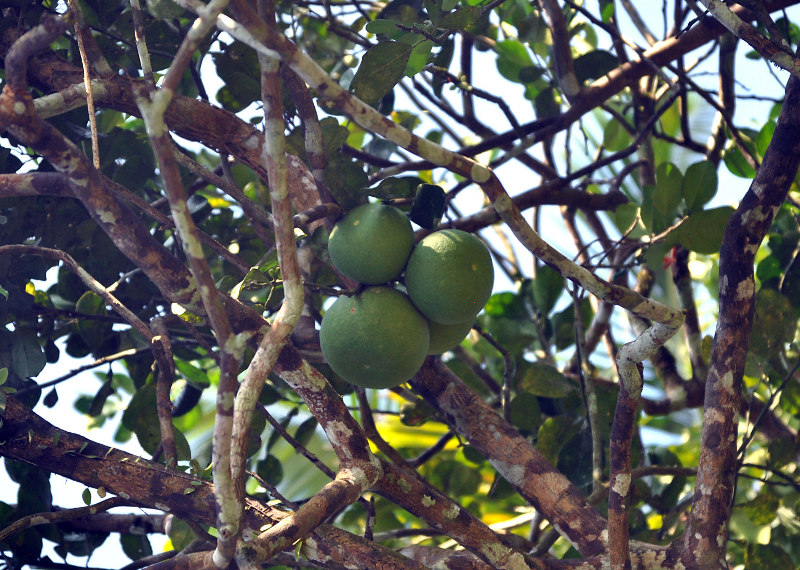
(513, 456)
(706, 534)
(27, 437)
(775, 50)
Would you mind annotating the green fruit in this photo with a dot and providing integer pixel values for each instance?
(449, 276)
(371, 243)
(446, 337)
(375, 339)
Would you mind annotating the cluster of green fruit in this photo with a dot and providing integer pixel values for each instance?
(379, 337)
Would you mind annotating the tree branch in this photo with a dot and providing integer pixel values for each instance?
(706, 534)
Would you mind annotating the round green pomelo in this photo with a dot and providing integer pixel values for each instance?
(375, 339)
(449, 276)
(371, 243)
(446, 337)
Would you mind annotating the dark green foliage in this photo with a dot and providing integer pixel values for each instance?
(451, 71)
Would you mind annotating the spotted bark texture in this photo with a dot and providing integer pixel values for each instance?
(27, 437)
(619, 484)
(704, 543)
(420, 498)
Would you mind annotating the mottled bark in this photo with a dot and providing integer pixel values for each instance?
(27, 437)
(704, 543)
(619, 482)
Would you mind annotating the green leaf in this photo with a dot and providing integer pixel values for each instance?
(607, 10)
(305, 431)
(647, 211)
(547, 288)
(769, 556)
(93, 332)
(99, 400)
(774, 323)
(27, 356)
(615, 136)
(86, 496)
(762, 510)
(395, 187)
(625, 215)
(428, 207)
(512, 57)
(660, 202)
(699, 184)
(575, 458)
(164, 9)
(51, 399)
(545, 103)
(416, 413)
(434, 10)
(180, 534)
(3, 375)
(564, 323)
(192, 373)
(461, 18)
(737, 164)
(382, 26)
(346, 180)
(135, 546)
(541, 379)
(418, 58)
(443, 59)
(334, 135)
(702, 231)
(473, 455)
(781, 451)
(524, 412)
(237, 65)
(457, 479)
(669, 190)
(594, 64)
(141, 417)
(554, 433)
(381, 68)
(764, 138)
(505, 304)
(270, 469)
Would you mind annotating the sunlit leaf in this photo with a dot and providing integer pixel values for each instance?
(513, 56)
(764, 137)
(418, 58)
(615, 136)
(547, 288)
(699, 184)
(736, 162)
(762, 509)
(702, 231)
